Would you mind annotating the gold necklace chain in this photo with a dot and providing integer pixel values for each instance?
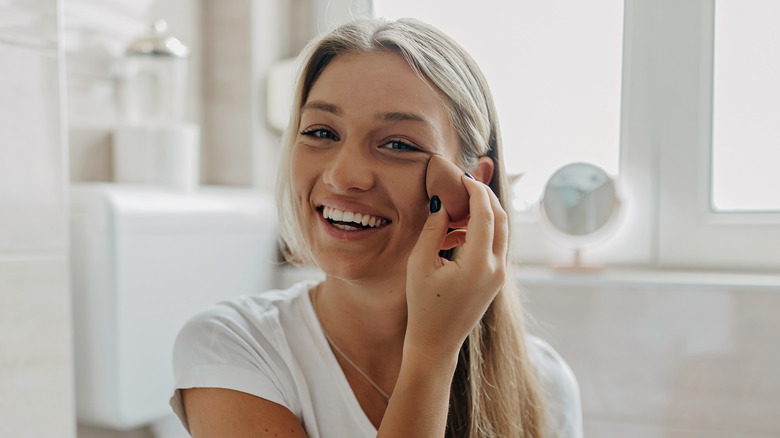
(354, 365)
(344, 355)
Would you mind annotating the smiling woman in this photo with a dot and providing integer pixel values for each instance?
(406, 336)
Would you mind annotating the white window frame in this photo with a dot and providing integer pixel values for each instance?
(690, 233)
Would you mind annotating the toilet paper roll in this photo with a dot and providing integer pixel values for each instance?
(166, 155)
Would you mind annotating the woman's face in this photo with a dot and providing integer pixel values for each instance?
(367, 130)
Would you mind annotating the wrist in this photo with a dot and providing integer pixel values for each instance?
(430, 358)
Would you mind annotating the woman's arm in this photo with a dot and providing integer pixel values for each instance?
(219, 413)
(446, 299)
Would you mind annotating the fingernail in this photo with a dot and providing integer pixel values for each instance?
(469, 175)
(435, 204)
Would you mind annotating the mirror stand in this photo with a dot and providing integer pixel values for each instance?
(577, 265)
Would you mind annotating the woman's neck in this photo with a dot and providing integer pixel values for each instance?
(367, 319)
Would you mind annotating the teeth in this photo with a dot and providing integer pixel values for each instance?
(349, 216)
(346, 227)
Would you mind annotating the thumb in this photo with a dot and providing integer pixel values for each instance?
(432, 235)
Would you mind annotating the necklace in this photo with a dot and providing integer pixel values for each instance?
(354, 365)
(344, 355)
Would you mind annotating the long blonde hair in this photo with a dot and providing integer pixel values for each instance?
(495, 392)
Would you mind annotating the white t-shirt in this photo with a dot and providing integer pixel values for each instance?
(271, 345)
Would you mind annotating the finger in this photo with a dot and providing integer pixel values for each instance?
(454, 238)
(501, 227)
(431, 238)
(462, 223)
(479, 231)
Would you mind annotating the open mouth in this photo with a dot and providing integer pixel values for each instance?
(351, 221)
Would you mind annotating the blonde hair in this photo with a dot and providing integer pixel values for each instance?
(494, 392)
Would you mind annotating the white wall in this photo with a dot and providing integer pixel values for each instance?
(36, 369)
(666, 354)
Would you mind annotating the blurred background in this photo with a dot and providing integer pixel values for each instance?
(138, 149)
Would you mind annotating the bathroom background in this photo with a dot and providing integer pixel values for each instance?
(660, 350)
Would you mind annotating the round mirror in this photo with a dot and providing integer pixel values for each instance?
(580, 203)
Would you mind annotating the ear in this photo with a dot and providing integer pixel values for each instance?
(483, 171)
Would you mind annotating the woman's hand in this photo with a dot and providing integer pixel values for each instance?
(446, 299)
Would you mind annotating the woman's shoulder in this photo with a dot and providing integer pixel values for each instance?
(241, 344)
(548, 362)
(559, 386)
(262, 307)
(241, 324)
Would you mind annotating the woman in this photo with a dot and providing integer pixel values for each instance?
(397, 341)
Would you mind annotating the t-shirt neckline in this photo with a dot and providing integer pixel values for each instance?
(331, 362)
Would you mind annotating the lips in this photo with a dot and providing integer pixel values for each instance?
(350, 220)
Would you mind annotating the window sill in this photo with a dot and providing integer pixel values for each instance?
(541, 275)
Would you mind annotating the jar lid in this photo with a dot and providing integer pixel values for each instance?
(158, 43)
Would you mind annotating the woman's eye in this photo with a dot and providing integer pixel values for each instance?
(320, 134)
(400, 145)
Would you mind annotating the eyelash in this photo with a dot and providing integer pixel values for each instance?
(327, 134)
(403, 146)
(317, 133)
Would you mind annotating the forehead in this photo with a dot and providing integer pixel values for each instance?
(365, 84)
(375, 71)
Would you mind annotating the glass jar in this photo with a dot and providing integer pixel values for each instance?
(154, 79)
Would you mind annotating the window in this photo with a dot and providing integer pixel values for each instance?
(690, 232)
(746, 92)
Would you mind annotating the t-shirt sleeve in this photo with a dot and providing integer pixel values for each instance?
(560, 391)
(237, 346)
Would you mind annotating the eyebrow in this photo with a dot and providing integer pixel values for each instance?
(392, 116)
(397, 116)
(322, 106)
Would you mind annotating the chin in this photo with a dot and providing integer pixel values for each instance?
(354, 271)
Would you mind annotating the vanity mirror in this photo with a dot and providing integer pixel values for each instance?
(579, 207)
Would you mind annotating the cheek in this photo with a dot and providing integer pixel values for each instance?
(302, 173)
(411, 197)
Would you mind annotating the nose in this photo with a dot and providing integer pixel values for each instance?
(349, 168)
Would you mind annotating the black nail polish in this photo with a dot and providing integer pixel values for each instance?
(435, 204)
(469, 175)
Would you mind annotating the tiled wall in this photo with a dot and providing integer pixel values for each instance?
(96, 33)
(36, 383)
(667, 360)
(232, 46)
(227, 127)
